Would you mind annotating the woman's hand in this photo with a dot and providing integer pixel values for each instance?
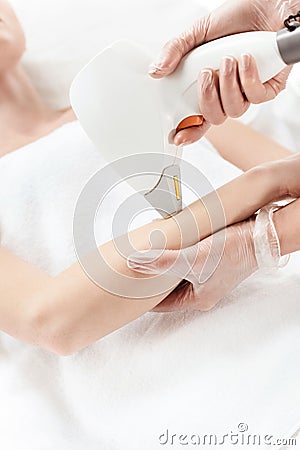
(229, 93)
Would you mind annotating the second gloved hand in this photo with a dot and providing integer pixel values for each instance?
(215, 266)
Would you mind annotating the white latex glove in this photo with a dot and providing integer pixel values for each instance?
(248, 246)
(229, 92)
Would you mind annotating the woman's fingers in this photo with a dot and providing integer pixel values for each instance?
(233, 101)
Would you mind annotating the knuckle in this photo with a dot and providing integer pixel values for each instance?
(277, 87)
(238, 111)
(250, 83)
(173, 48)
(235, 114)
(187, 40)
(257, 101)
(178, 44)
(253, 96)
(217, 120)
(182, 43)
(204, 26)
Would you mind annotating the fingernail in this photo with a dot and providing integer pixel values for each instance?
(153, 69)
(245, 61)
(157, 65)
(227, 65)
(187, 142)
(206, 79)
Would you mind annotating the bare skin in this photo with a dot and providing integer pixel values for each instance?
(24, 117)
(22, 108)
(68, 312)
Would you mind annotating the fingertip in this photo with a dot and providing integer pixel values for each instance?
(158, 72)
(246, 61)
(156, 75)
(233, 100)
(164, 65)
(248, 68)
(228, 67)
(253, 88)
(206, 79)
(191, 135)
(183, 138)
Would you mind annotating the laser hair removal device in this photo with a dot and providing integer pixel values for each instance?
(124, 111)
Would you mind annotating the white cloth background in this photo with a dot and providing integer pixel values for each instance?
(191, 373)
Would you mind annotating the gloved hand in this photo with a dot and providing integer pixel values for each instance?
(248, 246)
(229, 92)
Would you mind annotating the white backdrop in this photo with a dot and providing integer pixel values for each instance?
(62, 35)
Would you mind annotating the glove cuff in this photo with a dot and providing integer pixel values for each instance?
(266, 241)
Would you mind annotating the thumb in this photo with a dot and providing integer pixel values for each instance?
(152, 262)
(175, 49)
(227, 19)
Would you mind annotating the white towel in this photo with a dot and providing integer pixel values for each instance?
(190, 373)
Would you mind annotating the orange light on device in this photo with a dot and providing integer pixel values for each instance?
(189, 122)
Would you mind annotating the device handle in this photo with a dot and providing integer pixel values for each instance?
(180, 89)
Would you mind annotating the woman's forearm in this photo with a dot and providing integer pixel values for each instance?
(243, 146)
(69, 312)
(239, 199)
(74, 312)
